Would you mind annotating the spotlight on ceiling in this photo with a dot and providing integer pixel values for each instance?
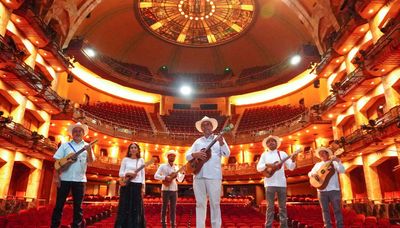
(90, 52)
(295, 60)
(186, 90)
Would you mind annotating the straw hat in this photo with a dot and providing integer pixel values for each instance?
(213, 122)
(276, 138)
(330, 153)
(83, 126)
(170, 152)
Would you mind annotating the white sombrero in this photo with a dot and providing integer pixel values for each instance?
(170, 152)
(83, 126)
(213, 122)
(330, 153)
(276, 138)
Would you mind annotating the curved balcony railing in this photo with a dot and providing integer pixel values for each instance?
(186, 139)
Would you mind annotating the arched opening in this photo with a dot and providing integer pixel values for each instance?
(19, 179)
(358, 186)
(389, 179)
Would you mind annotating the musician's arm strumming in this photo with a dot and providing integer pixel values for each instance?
(261, 163)
(159, 175)
(194, 152)
(290, 163)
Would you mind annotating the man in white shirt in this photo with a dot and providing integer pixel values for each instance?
(72, 178)
(166, 173)
(209, 180)
(276, 184)
(331, 193)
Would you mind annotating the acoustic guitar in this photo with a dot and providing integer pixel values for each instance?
(123, 181)
(172, 176)
(270, 169)
(196, 164)
(64, 163)
(321, 179)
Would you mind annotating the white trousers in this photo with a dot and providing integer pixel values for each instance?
(212, 188)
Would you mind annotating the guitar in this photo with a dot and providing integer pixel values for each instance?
(270, 169)
(172, 176)
(196, 164)
(64, 163)
(321, 179)
(123, 181)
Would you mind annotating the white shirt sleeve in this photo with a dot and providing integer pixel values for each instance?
(190, 151)
(261, 163)
(314, 170)
(338, 166)
(225, 151)
(159, 175)
(122, 168)
(60, 153)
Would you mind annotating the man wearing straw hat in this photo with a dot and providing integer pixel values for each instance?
(331, 193)
(73, 178)
(169, 191)
(209, 180)
(276, 184)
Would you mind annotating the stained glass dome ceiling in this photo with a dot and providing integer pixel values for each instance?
(196, 23)
(273, 33)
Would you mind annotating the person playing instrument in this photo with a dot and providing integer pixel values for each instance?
(276, 184)
(73, 178)
(208, 181)
(331, 193)
(168, 173)
(130, 205)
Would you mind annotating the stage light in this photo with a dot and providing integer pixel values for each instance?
(295, 60)
(186, 90)
(90, 52)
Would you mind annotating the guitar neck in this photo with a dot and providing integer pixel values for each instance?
(213, 142)
(289, 157)
(83, 149)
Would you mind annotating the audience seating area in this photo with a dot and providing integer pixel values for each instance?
(183, 121)
(41, 216)
(125, 115)
(257, 118)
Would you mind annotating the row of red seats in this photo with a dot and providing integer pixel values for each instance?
(41, 216)
(258, 117)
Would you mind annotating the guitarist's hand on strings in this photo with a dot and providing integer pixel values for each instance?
(202, 155)
(131, 175)
(294, 158)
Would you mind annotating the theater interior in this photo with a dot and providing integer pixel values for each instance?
(311, 72)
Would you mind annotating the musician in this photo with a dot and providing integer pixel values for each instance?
(130, 205)
(169, 192)
(276, 184)
(73, 178)
(331, 193)
(208, 181)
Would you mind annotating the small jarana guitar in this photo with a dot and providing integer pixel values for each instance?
(64, 163)
(123, 181)
(196, 164)
(321, 179)
(270, 169)
(172, 176)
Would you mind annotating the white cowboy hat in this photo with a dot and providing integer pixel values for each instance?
(170, 152)
(213, 122)
(276, 138)
(83, 126)
(330, 153)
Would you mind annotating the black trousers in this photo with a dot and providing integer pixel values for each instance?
(78, 190)
(130, 207)
(168, 197)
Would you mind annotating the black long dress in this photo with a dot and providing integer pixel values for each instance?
(130, 207)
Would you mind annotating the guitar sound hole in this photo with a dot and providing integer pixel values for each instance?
(322, 171)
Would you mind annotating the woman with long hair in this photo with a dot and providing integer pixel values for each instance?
(130, 206)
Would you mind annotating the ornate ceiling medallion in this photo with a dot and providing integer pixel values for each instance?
(196, 23)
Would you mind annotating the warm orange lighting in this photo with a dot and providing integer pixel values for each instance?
(315, 127)
(362, 30)
(104, 137)
(109, 142)
(298, 134)
(330, 115)
(68, 124)
(87, 136)
(53, 124)
(125, 141)
(290, 137)
(352, 98)
(95, 134)
(251, 144)
(337, 61)
(4, 75)
(36, 42)
(371, 11)
(231, 146)
(344, 49)
(307, 131)
(58, 68)
(372, 83)
(344, 106)
(241, 146)
(383, 70)
(18, 20)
